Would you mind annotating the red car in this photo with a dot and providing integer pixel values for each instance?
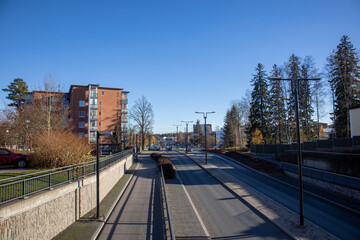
(8, 157)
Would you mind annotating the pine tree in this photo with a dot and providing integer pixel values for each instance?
(198, 130)
(17, 92)
(293, 73)
(305, 107)
(344, 78)
(116, 134)
(229, 136)
(277, 106)
(259, 107)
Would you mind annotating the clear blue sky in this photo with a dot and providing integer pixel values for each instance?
(183, 55)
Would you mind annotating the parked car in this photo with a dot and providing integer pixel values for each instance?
(103, 151)
(154, 148)
(168, 148)
(8, 157)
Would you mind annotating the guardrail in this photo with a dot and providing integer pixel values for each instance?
(24, 185)
(171, 229)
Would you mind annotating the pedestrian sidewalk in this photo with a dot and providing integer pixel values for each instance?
(184, 218)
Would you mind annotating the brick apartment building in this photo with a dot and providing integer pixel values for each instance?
(93, 108)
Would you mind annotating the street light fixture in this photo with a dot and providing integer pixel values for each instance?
(186, 141)
(98, 134)
(27, 134)
(295, 92)
(205, 116)
(177, 133)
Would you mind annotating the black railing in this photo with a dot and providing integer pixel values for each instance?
(24, 185)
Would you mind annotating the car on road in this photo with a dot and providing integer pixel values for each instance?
(8, 157)
(154, 148)
(168, 148)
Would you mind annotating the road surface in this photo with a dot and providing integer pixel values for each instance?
(225, 216)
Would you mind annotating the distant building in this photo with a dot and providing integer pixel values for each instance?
(355, 120)
(220, 135)
(92, 108)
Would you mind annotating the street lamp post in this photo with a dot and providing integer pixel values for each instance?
(177, 133)
(205, 116)
(186, 141)
(295, 91)
(98, 134)
(7, 131)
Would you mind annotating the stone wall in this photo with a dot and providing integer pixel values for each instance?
(46, 214)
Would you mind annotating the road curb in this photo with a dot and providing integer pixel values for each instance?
(98, 230)
(295, 233)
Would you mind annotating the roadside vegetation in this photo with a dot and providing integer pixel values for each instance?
(166, 164)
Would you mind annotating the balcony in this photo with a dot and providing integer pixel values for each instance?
(93, 95)
(124, 120)
(92, 139)
(93, 117)
(124, 101)
(124, 111)
(93, 107)
(93, 129)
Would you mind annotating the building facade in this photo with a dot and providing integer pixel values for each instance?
(91, 108)
(94, 108)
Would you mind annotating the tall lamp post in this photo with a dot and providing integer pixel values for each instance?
(177, 133)
(186, 141)
(295, 92)
(98, 134)
(205, 116)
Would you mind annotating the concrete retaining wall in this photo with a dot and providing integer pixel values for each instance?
(338, 179)
(46, 214)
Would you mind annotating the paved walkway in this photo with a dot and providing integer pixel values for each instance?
(138, 213)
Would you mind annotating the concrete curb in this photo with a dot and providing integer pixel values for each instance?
(98, 230)
(279, 215)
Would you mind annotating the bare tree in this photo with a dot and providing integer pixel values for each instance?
(143, 115)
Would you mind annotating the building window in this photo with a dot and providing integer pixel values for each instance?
(81, 134)
(82, 103)
(99, 124)
(81, 113)
(99, 113)
(42, 97)
(117, 105)
(81, 124)
(100, 103)
(102, 93)
(117, 94)
(117, 115)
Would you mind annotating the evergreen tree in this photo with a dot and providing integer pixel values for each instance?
(259, 106)
(116, 134)
(17, 92)
(293, 73)
(277, 106)
(229, 136)
(305, 107)
(344, 78)
(198, 130)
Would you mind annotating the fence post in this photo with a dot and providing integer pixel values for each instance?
(68, 174)
(23, 188)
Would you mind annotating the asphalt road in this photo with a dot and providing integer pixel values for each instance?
(138, 213)
(336, 220)
(225, 216)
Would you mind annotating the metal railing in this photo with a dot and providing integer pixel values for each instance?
(24, 185)
(93, 117)
(93, 106)
(171, 229)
